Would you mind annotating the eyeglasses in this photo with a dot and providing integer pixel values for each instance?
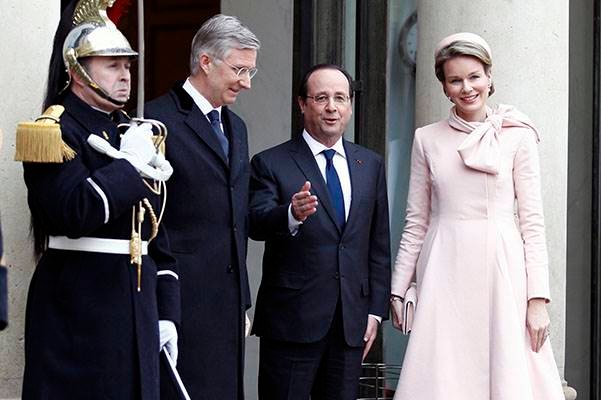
(242, 72)
(323, 99)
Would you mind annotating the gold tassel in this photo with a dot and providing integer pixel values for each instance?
(41, 141)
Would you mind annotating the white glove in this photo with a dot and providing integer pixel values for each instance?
(168, 338)
(162, 166)
(247, 326)
(137, 145)
(158, 169)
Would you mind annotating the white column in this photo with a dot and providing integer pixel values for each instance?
(27, 32)
(529, 41)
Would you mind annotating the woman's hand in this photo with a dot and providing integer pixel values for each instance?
(537, 322)
(396, 308)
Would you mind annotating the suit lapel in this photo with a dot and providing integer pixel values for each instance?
(198, 122)
(235, 140)
(302, 155)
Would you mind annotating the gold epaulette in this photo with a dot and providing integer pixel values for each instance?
(41, 141)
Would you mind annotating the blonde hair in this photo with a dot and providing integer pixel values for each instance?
(462, 48)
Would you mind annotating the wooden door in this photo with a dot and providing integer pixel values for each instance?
(170, 26)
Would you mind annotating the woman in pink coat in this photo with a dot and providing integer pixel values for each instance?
(474, 242)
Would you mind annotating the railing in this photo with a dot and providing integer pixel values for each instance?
(378, 381)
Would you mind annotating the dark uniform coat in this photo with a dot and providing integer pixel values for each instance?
(206, 218)
(89, 334)
(305, 276)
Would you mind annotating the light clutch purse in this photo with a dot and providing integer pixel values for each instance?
(409, 306)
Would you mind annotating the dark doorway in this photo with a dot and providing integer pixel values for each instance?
(320, 29)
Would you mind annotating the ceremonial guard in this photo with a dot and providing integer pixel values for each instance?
(106, 284)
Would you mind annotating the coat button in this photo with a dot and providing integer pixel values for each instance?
(230, 269)
(337, 276)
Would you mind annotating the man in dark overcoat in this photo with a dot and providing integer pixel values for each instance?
(206, 216)
(104, 296)
(319, 202)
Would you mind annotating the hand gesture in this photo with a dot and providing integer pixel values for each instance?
(303, 203)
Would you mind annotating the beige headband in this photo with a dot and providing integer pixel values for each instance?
(463, 36)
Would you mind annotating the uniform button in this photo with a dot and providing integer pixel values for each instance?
(337, 276)
(230, 269)
(235, 228)
(341, 247)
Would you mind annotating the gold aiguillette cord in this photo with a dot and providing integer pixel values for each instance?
(135, 243)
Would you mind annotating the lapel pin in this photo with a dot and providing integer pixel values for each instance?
(360, 162)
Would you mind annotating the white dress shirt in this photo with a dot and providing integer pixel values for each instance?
(341, 165)
(201, 101)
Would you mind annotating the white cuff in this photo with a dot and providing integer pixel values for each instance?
(376, 317)
(167, 272)
(102, 195)
(293, 224)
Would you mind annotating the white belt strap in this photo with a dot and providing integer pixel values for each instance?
(93, 245)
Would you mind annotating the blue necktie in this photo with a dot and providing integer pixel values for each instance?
(334, 187)
(216, 125)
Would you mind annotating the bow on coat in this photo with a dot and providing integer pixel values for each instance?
(481, 149)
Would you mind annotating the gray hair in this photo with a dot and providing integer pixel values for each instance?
(218, 35)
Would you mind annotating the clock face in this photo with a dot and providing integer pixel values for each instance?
(408, 40)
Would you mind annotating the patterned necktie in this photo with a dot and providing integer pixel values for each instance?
(216, 125)
(334, 187)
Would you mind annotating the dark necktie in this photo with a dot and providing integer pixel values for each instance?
(216, 125)
(334, 187)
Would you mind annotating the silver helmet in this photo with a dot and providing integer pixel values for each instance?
(94, 35)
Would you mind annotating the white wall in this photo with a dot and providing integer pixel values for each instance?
(27, 30)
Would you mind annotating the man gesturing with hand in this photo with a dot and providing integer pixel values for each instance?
(319, 202)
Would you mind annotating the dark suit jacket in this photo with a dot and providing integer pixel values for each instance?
(206, 218)
(304, 276)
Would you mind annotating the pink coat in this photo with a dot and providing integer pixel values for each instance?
(476, 264)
